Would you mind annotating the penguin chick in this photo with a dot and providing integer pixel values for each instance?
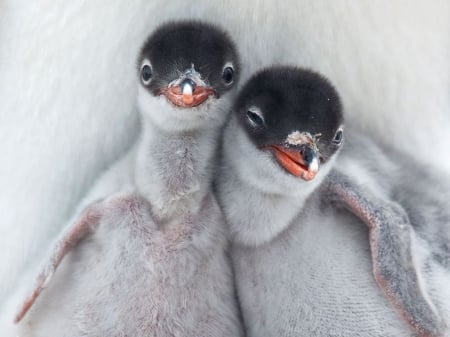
(288, 124)
(146, 255)
(279, 148)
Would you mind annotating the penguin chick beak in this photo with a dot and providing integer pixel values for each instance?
(301, 161)
(187, 90)
(187, 93)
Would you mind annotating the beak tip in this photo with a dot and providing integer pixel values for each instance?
(187, 92)
(314, 165)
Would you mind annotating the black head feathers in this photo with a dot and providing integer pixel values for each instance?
(176, 47)
(278, 101)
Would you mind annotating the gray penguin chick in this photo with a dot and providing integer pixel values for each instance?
(281, 187)
(146, 255)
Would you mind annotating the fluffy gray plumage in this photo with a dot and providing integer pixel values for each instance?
(67, 103)
(152, 259)
(306, 268)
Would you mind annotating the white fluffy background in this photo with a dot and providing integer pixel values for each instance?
(68, 85)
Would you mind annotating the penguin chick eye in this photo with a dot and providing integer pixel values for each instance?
(228, 74)
(146, 72)
(255, 118)
(337, 140)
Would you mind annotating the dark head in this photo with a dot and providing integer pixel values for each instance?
(294, 114)
(189, 63)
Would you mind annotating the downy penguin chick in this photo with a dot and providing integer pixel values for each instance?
(279, 169)
(146, 255)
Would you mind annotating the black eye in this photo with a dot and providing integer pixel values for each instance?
(337, 140)
(228, 75)
(255, 118)
(146, 73)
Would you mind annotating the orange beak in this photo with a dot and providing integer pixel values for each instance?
(187, 97)
(294, 162)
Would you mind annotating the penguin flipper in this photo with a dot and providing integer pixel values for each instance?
(392, 240)
(69, 238)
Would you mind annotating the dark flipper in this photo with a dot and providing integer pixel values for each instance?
(67, 240)
(392, 243)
